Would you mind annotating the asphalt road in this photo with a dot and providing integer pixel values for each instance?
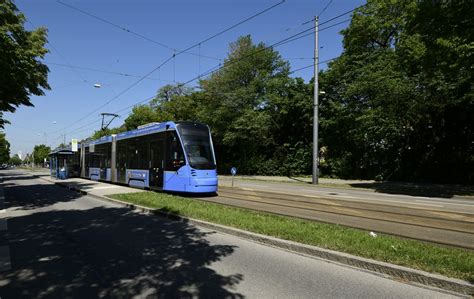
(61, 245)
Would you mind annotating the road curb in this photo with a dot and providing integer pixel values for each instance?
(386, 269)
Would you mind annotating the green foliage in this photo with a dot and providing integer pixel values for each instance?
(22, 74)
(40, 153)
(100, 133)
(399, 101)
(15, 160)
(4, 149)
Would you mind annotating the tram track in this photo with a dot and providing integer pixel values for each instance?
(433, 225)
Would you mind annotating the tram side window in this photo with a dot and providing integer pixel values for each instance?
(175, 157)
(121, 155)
(142, 151)
(132, 153)
(87, 157)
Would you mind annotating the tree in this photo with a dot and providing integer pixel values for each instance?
(237, 102)
(28, 159)
(22, 73)
(253, 108)
(40, 152)
(106, 132)
(15, 160)
(168, 92)
(140, 115)
(399, 100)
(4, 149)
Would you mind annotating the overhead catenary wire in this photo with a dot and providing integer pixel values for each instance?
(173, 56)
(312, 33)
(334, 18)
(62, 56)
(311, 65)
(324, 9)
(211, 70)
(278, 43)
(101, 19)
(104, 71)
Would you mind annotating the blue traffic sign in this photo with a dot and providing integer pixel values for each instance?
(233, 171)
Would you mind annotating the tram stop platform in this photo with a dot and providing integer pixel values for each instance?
(85, 186)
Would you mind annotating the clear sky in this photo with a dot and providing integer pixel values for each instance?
(76, 39)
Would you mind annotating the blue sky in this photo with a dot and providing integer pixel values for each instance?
(76, 39)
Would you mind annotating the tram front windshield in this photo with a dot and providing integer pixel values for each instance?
(197, 145)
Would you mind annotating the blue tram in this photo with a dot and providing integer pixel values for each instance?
(169, 156)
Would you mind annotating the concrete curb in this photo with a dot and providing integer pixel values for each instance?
(386, 269)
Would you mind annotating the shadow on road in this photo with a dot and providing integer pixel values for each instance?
(30, 195)
(106, 252)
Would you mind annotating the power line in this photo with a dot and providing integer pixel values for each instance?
(218, 67)
(173, 56)
(312, 32)
(336, 17)
(104, 71)
(278, 43)
(324, 9)
(61, 55)
(311, 65)
(130, 31)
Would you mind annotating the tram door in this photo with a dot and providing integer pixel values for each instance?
(156, 162)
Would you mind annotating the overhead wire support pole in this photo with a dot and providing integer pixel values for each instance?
(315, 106)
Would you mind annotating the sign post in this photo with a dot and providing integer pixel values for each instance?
(233, 172)
(74, 145)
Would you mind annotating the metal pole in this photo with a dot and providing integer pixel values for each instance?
(315, 105)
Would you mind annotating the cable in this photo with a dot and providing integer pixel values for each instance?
(60, 55)
(324, 9)
(308, 66)
(276, 44)
(130, 31)
(104, 71)
(336, 17)
(279, 43)
(220, 66)
(151, 98)
(312, 32)
(173, 56)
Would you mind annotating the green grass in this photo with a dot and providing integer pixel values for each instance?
(453, 262)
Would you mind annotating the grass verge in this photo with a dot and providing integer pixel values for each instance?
(452, 262)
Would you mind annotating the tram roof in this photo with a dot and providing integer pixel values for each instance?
(144, 130)
(154, 128)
